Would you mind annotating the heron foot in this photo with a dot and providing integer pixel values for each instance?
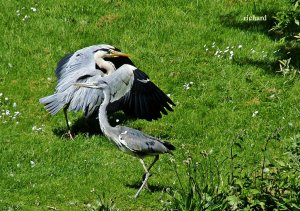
(147, 174)
(69, 135)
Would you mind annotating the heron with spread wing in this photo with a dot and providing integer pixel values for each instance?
(143, 100)
(128, 140)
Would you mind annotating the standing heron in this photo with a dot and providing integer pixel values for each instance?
(144, 101)
(128, 140)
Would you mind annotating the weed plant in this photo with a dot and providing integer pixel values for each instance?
(273, 186)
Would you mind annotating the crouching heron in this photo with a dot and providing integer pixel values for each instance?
(128, 140)
(144, 100)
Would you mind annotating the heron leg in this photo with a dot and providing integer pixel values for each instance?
(151, 165)
(154, 161)
(147, 174)
(67, 121)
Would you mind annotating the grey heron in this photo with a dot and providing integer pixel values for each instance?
(128, 140)
(144, 101)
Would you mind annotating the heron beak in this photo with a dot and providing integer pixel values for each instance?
(117, 53)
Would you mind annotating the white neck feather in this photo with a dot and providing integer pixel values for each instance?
(108, 66)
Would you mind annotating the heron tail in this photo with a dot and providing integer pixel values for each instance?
(52, 103)
(169, 146)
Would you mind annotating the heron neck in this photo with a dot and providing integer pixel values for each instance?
(106, 128)
(108, 66)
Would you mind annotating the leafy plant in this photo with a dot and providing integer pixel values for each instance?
(288, 70)
(287, 26)
(104, 204)
(199, 187)
(273, 186)
(288, 21)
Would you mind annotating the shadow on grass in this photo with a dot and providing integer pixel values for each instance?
(233, 20)
(291, 50)
(90, 126)
(285, 51)
(80, 126)
(270, 67)
(152, 188)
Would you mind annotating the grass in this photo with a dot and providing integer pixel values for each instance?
(175, 43)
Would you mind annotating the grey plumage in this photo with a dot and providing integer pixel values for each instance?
(77, 67)
(128, 140)
(79, 60)
(143, 100)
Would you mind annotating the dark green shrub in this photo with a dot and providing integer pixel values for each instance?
(287, 22)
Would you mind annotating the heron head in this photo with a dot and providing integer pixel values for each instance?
(109, 53)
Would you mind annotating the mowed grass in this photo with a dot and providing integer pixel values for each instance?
(175, 43)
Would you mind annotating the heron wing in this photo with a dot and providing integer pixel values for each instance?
(78, 67)
(74, 62)
(120, 82)
(139, 97)
(142, 144)
(84, 98)
(76, 98)
(89, 99)
(145, 100)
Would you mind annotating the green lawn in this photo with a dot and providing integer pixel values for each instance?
(175, 43)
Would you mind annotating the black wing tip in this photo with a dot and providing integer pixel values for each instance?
(146, 100)
(169, 145)
(171, 102)
(157, 106)
(138, 73)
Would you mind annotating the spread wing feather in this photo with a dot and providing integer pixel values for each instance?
(143, 92)
(81, 59)
(132, 91)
